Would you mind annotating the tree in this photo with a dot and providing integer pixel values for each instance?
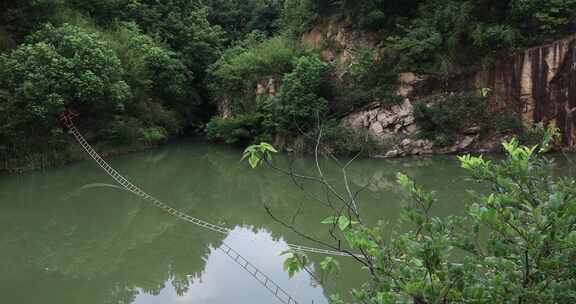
(516, 243)
(300, 101)
(239, 18)
(57, 67)
(250, 60)
(154, 72)
(62, 66)
(185, 27)
(298, 15)
(547, 17)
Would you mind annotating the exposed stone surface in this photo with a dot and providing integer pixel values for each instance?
(407, 83)
(540, 82)
(384, 122)
(463, 144)
(267, 86)
(224, 108)
(415, 147)
(342, 41)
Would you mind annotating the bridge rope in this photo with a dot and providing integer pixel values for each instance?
(127, 185)
(262, 278)
(270, 285)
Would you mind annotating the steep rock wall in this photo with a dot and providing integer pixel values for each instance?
(338, 43)
(540, 82)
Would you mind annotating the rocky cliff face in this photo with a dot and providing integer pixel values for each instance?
(338, 43)
(539, 83)
(397, 123)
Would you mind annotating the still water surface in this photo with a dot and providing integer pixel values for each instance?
(68, 237)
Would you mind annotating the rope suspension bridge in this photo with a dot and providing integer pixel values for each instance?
(280, 294)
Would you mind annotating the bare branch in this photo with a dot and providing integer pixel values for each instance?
(366, 262)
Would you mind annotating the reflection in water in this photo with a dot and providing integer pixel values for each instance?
(68, 237)
(223, 281)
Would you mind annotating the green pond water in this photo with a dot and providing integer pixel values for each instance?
(68, 237)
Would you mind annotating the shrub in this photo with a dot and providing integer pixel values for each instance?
(300, 101)
(238, 18)
(240, 130)
(150, 68)
(153, 135)
(442, 117)
(248, 62)
(341, 139)
(515, 244)
(417, 47)
(508, 121)
(533, 135)
(298, 104)
(371, 79)
(155, 74)
(298, 15)
(184, 26)
(544, 17)
(154, 114)
(123, 130)
(495, 37)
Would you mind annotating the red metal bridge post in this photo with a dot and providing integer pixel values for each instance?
(67, 117)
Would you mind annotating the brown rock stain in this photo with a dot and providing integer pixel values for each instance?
(540, 83)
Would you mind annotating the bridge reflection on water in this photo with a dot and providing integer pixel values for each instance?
(62, 241)
(221, 272)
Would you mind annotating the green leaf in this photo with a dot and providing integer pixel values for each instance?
(572, 238)
(331, 220)
(291, 266)
(254, 160)
(417, 262)
(268, 147)
(343, 223)
(330, 266)
(245, 155)
(404, 181)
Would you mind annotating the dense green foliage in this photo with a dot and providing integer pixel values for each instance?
(300, 101)
(238, 18)
(520, 248)
(441, 118)
(134, 70)
(341, 139)
(128, 85)
(240, 129)
(186, 29)
(144, 71)
(55, 68)
(58, 67)
(236, 73)
(299, 104)
(370, 79)
(439, 36)
(515, 244)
